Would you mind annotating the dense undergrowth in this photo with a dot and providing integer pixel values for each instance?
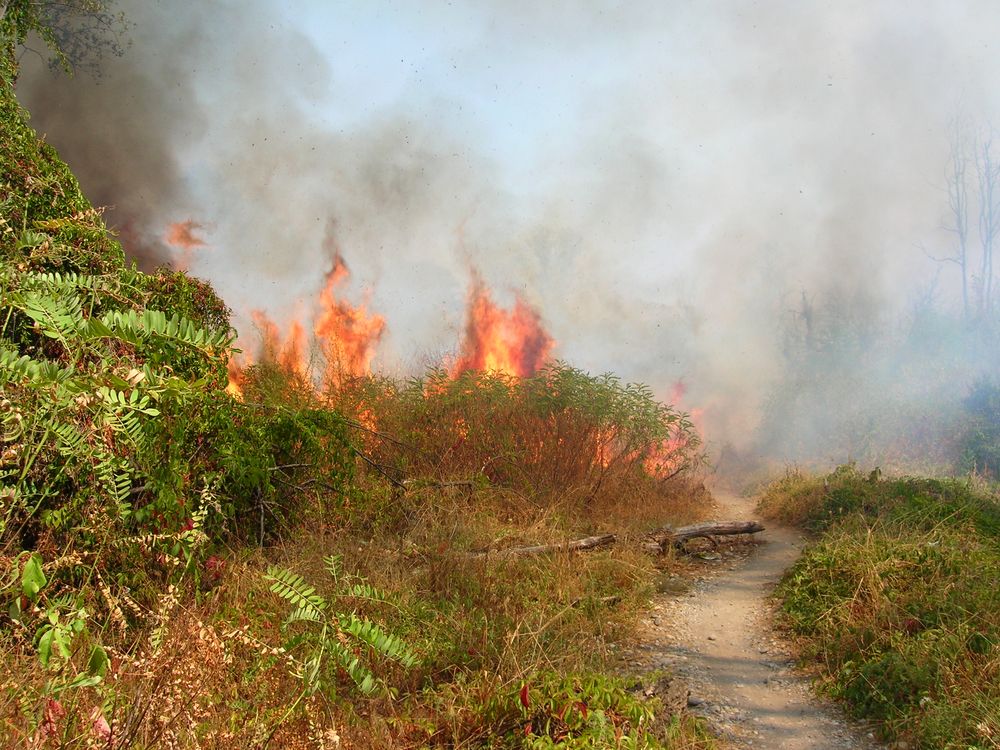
(184, 569)
(897, 600)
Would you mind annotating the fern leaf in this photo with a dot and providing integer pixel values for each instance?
(293, 588)
(358, 672)
(378, 640)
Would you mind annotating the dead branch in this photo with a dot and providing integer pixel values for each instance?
(665, 537)
(656, 542)
(578, 545)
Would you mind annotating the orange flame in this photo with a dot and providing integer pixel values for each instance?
(669, 455)
(288, 350)
(348, 335)
(236, 369)
(512, 342)
(182, 236)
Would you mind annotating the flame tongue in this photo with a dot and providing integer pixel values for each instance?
(349, 335)
(512, 342)
(182, 236)
(289, 351)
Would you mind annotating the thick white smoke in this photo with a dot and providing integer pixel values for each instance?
(666, 182)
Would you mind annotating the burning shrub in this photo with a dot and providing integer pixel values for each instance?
(560, 430)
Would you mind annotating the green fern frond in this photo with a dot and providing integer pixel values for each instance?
(136, 328)
(377, 639)
(364, 590)
(57, 316)
(332, 565)
(14, 366)
(293, 588)
(69, 440)
(307, 614)
(358, 672)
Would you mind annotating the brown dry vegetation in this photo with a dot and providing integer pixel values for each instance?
(181, 569)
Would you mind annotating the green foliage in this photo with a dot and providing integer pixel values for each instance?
(897, 601)
(56, 623)
(119, 449)
(331, 636)
(46, 224)
(549, 711)
(981, 442)
(75, 31)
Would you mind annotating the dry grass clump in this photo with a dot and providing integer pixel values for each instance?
(793, 498)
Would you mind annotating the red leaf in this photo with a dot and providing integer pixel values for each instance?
(525, 700)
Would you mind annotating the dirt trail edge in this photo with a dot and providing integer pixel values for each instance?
(719, 640)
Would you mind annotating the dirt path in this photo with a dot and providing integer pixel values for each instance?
(718, 638)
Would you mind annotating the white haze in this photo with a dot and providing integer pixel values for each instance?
(662, 180)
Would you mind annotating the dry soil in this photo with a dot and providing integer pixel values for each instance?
(719, 641)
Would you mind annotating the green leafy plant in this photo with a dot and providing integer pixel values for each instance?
(331, 636)
(58, 622)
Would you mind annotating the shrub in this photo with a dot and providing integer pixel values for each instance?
(558, 433)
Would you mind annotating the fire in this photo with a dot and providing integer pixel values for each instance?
(347, 334)
(512, 342)
(289, 350)
(668, 456)
(236, 367)
(182, 235)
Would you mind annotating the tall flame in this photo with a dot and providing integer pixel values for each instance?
(508, 341)
(346, 335)
(288, 349)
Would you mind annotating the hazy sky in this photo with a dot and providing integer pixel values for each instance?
(661, 179)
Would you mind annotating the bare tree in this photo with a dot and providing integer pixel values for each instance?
(958, 207)
(988, 182)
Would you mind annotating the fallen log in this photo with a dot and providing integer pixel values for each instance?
(656, 541)
(667, 536)
(578, 545)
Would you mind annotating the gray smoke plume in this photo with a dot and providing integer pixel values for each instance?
(677, 187)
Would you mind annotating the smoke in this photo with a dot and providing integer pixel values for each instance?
(674, 186)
